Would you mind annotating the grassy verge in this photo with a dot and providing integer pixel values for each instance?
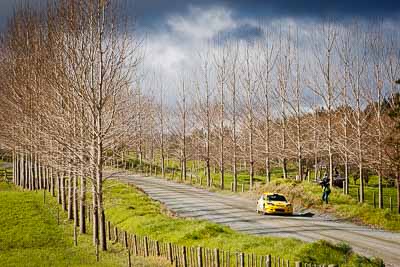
(30, 235)
(308, 195)
(133, 211)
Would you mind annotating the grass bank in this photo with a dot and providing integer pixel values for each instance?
(31, 235)
(133, 211)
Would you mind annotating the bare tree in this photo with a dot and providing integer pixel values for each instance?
(233, 87)
(265, 68)
(220, 61)
(324, 84)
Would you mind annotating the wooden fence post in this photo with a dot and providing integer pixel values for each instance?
(390, 203)
(176, 261)
(146, 247)
(241, 259)
(199, 257)
(157, 249)
(109, 230)
(136, 245)
(298, 264)
(184, 256)
(216, 257)
(97, 250)
(116, 234)
(170, 253)
(268, 262)
(129, 258)
(242, 188)
(125, 239)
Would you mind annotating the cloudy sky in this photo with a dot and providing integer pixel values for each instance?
(174, 31)
(177, 30)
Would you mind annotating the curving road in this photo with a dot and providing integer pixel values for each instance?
(239, 214)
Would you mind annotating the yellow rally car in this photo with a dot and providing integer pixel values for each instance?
(273, 203)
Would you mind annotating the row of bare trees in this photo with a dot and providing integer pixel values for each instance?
(305, 98)
(66, 99)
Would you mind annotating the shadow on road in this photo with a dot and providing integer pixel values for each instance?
(306, 214)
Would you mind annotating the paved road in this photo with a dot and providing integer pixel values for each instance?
(239, 214)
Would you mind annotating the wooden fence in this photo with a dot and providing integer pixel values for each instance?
(182, 256)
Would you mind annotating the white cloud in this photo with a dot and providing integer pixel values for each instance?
(175, 50)
(202, 24)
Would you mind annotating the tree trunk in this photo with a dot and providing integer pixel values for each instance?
(208, 167)
(380, 190)
(284, 163)
(63, 200)
(40, 182)
(398, 191)
(267, 152)
(360, 169)
(36, 172)
(22, 167)
(75, 199)
(251, 159)
(99, 181)
(82, 209)
(59, 188)
(95, 220)
(346, 174)
(70, 200)
(330, 152)
(162, 165)
(52, 181)
(30, 172)
(221, 136)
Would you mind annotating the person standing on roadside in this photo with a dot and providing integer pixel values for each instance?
(326, 189)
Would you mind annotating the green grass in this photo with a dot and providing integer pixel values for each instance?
(308, 195)
(370, 190)
(133, 211)
(31, 236)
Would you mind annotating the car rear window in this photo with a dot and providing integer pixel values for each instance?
(276, 198)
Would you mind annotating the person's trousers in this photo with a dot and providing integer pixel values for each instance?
(325, 197)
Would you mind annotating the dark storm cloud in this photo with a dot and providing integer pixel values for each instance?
(323, 8)
(7, 8)
(150, 12)
(242, 32)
